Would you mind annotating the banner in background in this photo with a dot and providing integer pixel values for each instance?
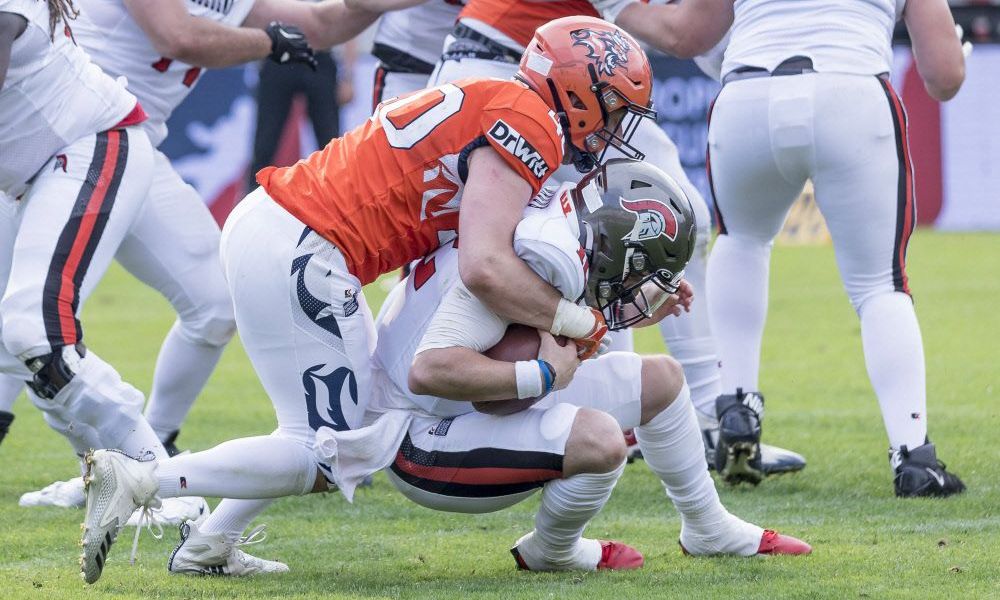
(955, 146)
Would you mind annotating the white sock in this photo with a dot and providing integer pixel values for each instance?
(182, 369)
(567, 506)
(737, 307)
(140, 440)
(672, 446)
(10, 389)
(894, 355)
(248, 468)
(232, 517)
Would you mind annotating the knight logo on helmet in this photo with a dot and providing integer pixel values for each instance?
(654, 219)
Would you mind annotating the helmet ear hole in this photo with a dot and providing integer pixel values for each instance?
(636, 184)
(577, 102)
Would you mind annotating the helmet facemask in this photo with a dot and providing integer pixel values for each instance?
(637, 294)
(621, 119)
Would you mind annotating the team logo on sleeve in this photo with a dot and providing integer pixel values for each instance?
(653, 219)
(609, 50)
(512, 142)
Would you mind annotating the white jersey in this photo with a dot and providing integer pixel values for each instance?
(52, 96)
(120, 47)
(418, 31)
(840, 36)
(547, 238)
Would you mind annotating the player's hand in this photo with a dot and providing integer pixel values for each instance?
(590, 344)
(289, 45)
(562, 358)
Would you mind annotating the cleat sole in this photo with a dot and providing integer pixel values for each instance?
(739, 464)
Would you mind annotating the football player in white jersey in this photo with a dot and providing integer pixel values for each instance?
(620, 239)
(806, 96)
(408, 42)
(161, 50)
(487, 41)
(74, 170)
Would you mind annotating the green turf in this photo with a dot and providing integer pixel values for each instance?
(867, 543)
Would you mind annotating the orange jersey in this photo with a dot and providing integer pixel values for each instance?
(389, 191)
(518, 19)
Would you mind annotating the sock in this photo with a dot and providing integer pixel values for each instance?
(248, 468)
(672, 446)
(894, 356)
(567, 506)
(232, 517)
(182, 369)
(10, 389)
(737, 307)
(140, 440)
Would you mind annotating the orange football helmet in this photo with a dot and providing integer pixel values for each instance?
(596, 78)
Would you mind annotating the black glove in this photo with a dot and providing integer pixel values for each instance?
(288, 45)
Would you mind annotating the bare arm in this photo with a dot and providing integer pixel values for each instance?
(936, 48)
(381, 6)
(325, 24)
(202, 42)
(11, 27)
(492, 205)
(462, 374)
(685, 29)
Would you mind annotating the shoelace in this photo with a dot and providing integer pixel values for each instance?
(256, 536)
(147, 520)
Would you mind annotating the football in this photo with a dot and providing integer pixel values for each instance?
(520, 342)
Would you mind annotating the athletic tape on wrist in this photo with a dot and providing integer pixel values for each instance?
(530, 380)
(572, 321)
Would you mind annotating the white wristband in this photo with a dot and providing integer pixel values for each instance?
(530, 382)
(572, 321)
(609, 9)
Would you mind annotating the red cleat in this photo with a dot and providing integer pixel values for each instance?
(773, 542)
(617, 556)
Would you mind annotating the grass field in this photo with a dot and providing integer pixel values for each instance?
(867, 544)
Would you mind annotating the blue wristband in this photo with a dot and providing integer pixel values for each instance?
(548, 376)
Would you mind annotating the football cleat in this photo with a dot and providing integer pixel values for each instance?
(173, 512)
(170, 443)
(115, 485)
(773, 459)
(773, 542)
(615, 556)
(632, 450)
(920, 473)
(6, 418)
(737, 454)
(214, 554)
(63, 494)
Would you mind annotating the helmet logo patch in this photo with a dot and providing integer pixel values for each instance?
(609, 50)
(653, 219)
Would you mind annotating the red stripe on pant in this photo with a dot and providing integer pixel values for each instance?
(379, 86)
(68, 288)
(906, 205)
(476, 476)
(708, 172)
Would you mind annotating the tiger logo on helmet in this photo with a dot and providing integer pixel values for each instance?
(608, 49)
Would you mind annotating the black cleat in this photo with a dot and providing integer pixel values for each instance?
(170, 445)
(6, 418)
(737, 454)
(920, 473)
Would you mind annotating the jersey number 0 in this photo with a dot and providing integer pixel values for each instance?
(409, 119)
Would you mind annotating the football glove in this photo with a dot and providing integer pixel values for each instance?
(289, 45)
(593, 343)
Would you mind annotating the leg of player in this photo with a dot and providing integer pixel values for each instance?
(10, 386)
(10, 389)
(308, 333)
(173, 246)
(477, 463)
(867, 201)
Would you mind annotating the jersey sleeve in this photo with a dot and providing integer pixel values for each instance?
(463, 321)
(526, 134)
(554, 264)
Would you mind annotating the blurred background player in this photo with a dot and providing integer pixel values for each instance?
(161, 50)
(489, 40)
(471, 154)
(806, 96)
(74, 170)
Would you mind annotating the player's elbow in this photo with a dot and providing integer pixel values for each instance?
(177, 44)
(481, 276)
(425, 373)
(943, 85)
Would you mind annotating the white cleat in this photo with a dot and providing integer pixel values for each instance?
(215, 554)
(173, 512)
(116, 485)
(63, 494)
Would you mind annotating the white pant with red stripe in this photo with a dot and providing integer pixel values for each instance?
(68, 225)
(389, 84)
(847, 133)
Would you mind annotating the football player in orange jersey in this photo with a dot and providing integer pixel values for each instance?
(467, 155)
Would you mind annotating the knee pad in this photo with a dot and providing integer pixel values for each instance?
(214, 328)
